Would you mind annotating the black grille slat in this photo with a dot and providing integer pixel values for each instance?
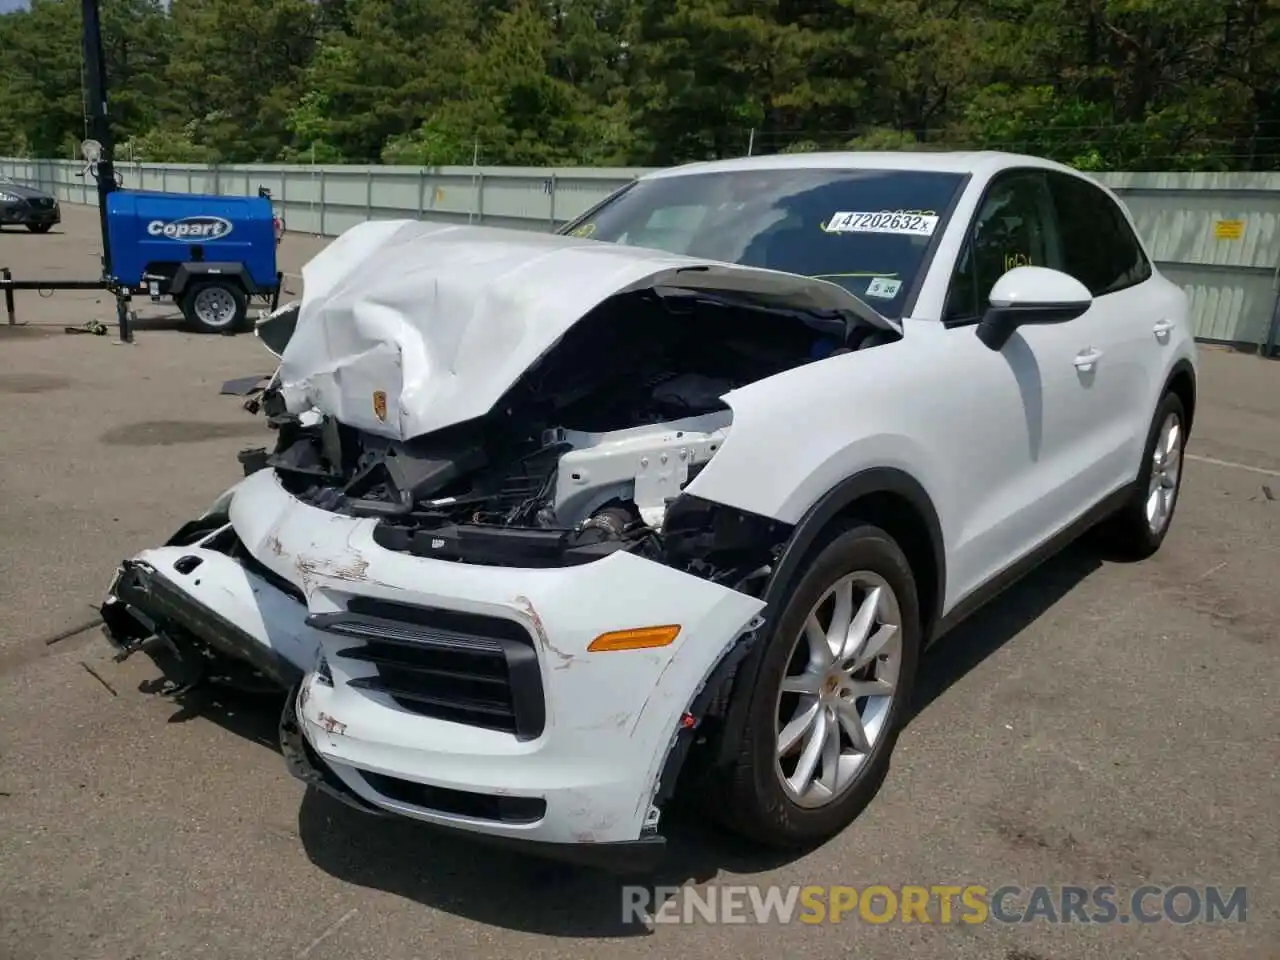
(464, 705)
(476, 625)
(466, 668)
(384, 660)
(375, 628)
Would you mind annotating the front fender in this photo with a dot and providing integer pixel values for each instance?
(806, 444)
(800, 434)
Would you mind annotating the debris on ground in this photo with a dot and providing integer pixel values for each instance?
(97, 676)
(95, 327)
(72, 631)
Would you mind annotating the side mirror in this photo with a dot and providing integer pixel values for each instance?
(1031, 295)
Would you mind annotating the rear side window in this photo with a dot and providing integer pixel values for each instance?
(1098, 246)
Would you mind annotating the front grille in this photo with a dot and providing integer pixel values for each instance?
(41, 203)
(467, 668)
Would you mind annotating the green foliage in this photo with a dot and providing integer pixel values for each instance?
(160, 145)
(1102, 84)
(884, 138)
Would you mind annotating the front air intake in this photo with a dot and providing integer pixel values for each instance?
(467, 668)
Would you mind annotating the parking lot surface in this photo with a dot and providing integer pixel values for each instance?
(1102, 723)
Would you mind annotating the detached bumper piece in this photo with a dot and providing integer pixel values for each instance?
(139, 590)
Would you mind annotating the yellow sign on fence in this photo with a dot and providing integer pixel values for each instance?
(1228, 229)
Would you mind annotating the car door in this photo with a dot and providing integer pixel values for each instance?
(1032, 479)
(1123, 331)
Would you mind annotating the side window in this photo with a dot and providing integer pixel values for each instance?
(1099, 247)
(1014, 228)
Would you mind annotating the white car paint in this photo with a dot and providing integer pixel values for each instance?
(1011, 446)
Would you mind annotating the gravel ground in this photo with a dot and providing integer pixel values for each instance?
(1101, 723)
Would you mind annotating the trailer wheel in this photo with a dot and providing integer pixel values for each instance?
(215, 306)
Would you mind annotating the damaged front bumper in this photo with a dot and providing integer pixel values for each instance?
(305, 764)
(140, 599)
(460, 695)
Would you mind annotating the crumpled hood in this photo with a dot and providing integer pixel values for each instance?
(408, 327)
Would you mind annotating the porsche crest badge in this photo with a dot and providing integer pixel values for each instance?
(380, 405)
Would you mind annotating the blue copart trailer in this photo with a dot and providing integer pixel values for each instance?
(211, 254)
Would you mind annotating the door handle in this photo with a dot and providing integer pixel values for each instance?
(1086, 359)
(1162, 328)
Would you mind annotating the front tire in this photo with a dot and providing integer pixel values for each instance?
(39, 227)
(1137, 529)
(215, 306)
(835, 679)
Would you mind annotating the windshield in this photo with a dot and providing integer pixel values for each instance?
(866, 230)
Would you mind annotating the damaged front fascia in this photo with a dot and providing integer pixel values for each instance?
(485, 491)
(706, 539)
(707, 705)
(712, 541)
(710, 534)
(435, 496)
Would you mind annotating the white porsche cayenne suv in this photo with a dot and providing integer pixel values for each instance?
(707, 469)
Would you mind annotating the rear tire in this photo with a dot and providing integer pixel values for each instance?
(215, 306)
(1138, 528)
(39, 227)
(797, 782)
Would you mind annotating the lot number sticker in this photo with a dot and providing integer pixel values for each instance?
(911, 224)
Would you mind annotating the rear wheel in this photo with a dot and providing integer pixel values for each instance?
(1138, 528)
(39, 227)
(835, 680)
(215, 306)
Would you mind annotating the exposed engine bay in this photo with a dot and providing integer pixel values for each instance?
(587, 453)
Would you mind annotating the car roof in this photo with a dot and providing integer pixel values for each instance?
(979, 162)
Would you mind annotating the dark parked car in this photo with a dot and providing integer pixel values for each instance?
(27, 206)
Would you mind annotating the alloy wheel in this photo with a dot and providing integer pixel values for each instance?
(836, 696)
(1166, 468)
